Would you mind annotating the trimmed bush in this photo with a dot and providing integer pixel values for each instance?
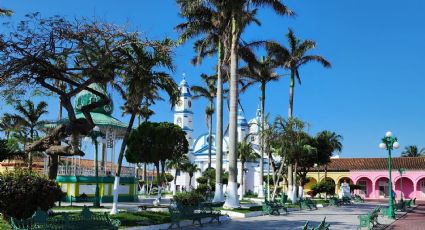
(23, 191)
(189, 198)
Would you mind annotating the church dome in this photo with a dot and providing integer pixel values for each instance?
(85, 97)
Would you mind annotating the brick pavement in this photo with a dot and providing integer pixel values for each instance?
(414, 220)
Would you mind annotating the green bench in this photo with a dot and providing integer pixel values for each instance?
(82, 198)
(369, 220)
(333, 201)
(307, 203)
(274, 207)
(85, 220)
(179, 212)
(322, 226)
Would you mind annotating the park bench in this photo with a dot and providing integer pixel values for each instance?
(322, 226)
(333, 201)
(358, 199)
(85, 220)
(346, 200)
(369, 220)
(400, 206)
(307, 203)
(179, 212)
(408, 204)
(274, 207)
(82, 198)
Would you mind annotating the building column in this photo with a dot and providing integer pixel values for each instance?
(373, 192)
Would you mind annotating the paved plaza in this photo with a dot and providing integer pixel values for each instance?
(344, 217)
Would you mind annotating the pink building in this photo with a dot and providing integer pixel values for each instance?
(372, 175)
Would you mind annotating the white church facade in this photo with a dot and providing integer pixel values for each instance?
(198, 147)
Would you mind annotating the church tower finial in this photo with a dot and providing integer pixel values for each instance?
(183, 111)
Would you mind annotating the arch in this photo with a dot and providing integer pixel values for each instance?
(408, 187)
(381, 187)
(366, 186)
(330, 179)
(420, 188)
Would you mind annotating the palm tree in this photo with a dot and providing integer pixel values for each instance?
(261, 72)
(8, 126)
(142, 81)
(210, 21)
(5, 12)
(28, 121)
(413, 151)
(191, 169)
(245, 154)
(209, 92)
(240, 10)
(177, 164)
(293, 59)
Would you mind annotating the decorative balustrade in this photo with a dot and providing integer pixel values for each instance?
(73, 170)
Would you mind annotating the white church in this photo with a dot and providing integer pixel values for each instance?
(198, 147)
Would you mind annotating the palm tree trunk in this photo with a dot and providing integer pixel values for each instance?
(290, 110)
(242, 182)
(175, 182)
(114, 209)
(232, 200)
(210, 120)
(29, 152)
(218, 195)
(263, 99)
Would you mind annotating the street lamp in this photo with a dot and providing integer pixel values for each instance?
(401, 171)
(96, 137)
(389, 143)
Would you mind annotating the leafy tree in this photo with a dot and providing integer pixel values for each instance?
(140, 86)
(30, 189)
(9, 150)
(413, 151)
(43, 51)
(28, 121)
(261, 71)
(209, 92)
(240, 11)
(8, 126)
(245, 154)
(326, 143)
(292, 59)
(177, 164)
(209, 20)
(191, 169)
(5, 12)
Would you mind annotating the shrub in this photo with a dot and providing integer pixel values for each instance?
(168, 177)
(312, 193)
(202, 180)
(188, 198)
(23, 191)
(202, 189)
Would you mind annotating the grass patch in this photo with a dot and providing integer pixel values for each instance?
(4, 225)
(144, 218)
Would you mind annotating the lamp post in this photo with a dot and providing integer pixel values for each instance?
(96, 137)
(318, 173)
(401, 171)
(389, 143)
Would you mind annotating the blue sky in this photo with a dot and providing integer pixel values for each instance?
(377, 50)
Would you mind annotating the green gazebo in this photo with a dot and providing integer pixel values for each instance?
(77, 176)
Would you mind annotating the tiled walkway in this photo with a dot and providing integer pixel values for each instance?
(415, 220)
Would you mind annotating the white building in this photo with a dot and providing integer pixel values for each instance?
(198, 150)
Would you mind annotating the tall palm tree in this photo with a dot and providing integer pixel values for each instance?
(28, 121)
(261, 72)
(293, 59)
(191, 169)
(142, 81)
(209, 20)
(5, 12)
(413, 151)
(177, 164)
(209, 92)
(245, 154)
(240, 10)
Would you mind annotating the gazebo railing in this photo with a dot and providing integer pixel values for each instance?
(73, 170)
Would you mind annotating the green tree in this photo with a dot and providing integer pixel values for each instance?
(293, 59)
(28, 120)
(258, 71)
(177, 164)
(413, 151)
(142, 81)
(191, 169)
(245, 154)
(209, 92)
(209, 20)
(327, 143)
(9, 150)
(8, 126)
(240, 10)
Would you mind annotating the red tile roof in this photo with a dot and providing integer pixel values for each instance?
(350, 164)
